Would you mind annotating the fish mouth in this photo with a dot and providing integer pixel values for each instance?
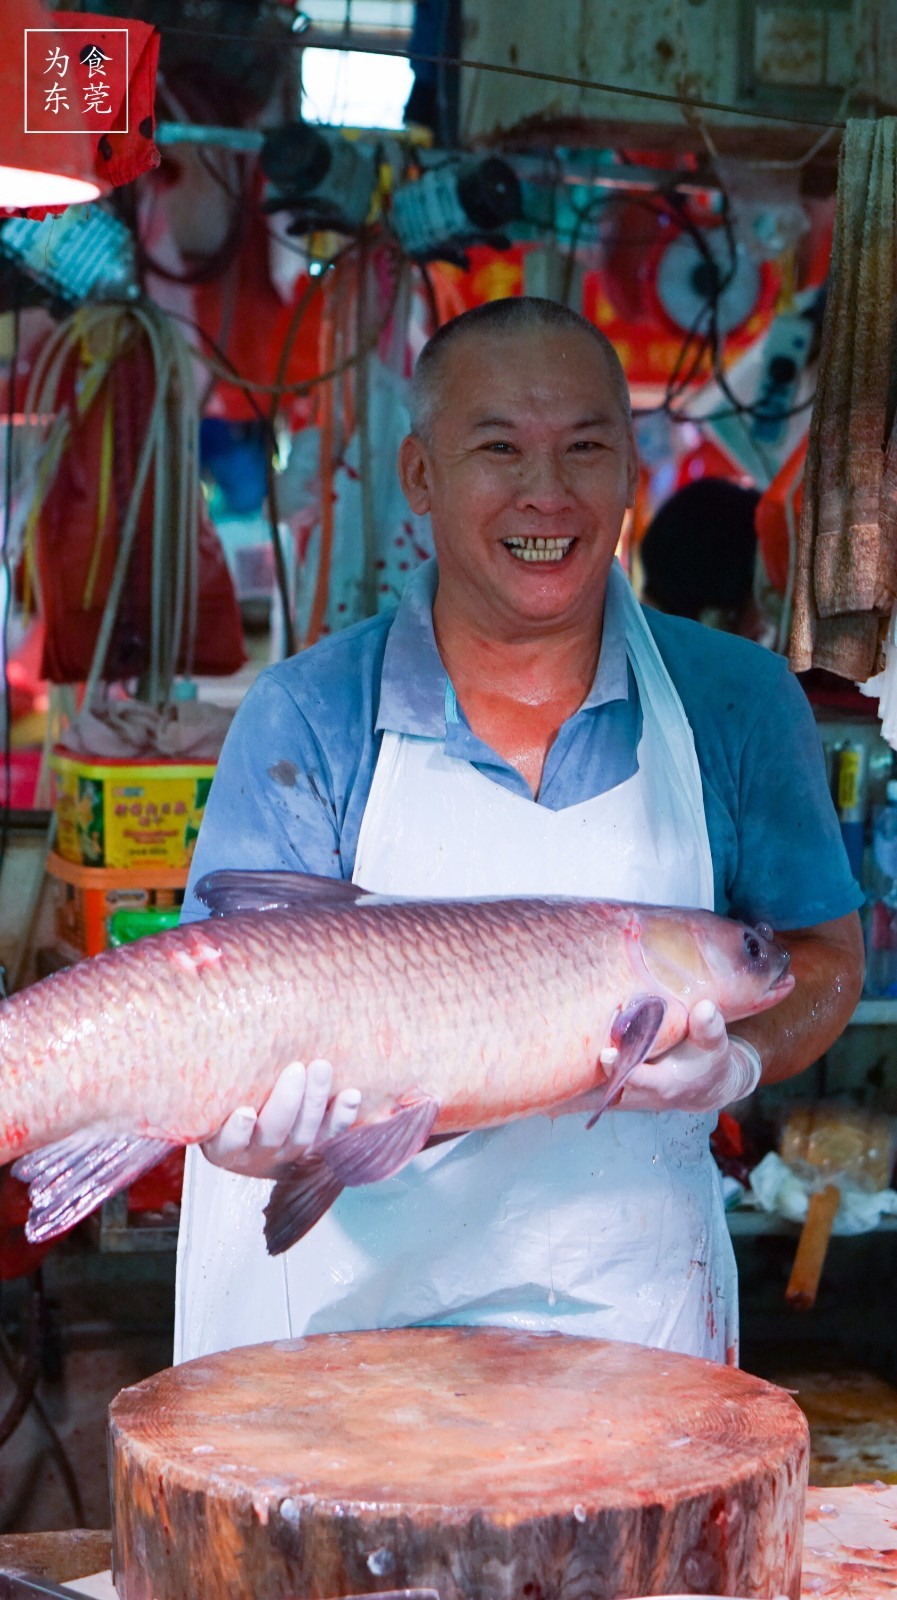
(783, 978)
(538, 550)
(782, 983)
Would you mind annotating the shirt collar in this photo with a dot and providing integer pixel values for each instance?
(414, 681)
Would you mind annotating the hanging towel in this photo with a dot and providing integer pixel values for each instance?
(846, 568)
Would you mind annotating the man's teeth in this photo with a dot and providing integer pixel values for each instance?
(538, 549)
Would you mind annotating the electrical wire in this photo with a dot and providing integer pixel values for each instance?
(702, 339)
(503, 69)
(169, 446)
(217, 263)
(680, 376)
(307, 386)
(223, 368)
(270, 439)
(206, 271)
(6, 579)
(313, 287)
(737, 407)
(674, 204)
(668, 201)
(25, 1378)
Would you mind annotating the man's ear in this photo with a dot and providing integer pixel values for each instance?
(413, 475)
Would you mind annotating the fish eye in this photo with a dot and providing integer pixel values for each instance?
(752, 945)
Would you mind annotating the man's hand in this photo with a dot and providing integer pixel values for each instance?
(707, 1071)
(827, 964)
(298, 1111)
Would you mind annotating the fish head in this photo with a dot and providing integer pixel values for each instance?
(695, 956)
(751, 968)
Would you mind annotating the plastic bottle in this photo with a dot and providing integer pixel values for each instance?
(881, 953)
(851, 802)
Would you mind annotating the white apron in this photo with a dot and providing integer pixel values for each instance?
(542, 1225)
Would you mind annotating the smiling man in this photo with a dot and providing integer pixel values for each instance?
(519, 726)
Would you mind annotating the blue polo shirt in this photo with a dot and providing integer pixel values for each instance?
(296, 769)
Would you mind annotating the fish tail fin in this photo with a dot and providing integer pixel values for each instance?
(632, 1035)
(69, 1179)
(304, 1191)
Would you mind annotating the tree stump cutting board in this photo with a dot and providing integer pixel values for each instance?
(483, 1463)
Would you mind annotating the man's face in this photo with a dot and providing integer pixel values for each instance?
(527, 475)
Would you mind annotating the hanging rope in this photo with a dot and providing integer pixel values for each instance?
(93, 341)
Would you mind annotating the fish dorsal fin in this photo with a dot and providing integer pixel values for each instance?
(230, 891)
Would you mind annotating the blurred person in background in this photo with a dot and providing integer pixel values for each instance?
(699, 558)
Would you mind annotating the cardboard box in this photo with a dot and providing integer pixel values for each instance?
(128, 815)
(85, 898)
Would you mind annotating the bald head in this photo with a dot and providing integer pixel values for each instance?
(501, 319)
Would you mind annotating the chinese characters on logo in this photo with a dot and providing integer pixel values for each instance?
(76, 80)
(96, 94)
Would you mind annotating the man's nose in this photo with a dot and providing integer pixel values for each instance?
(543, 482)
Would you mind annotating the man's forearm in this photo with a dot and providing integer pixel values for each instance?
(827, 963)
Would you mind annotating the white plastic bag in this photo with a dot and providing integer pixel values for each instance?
(777, 1188)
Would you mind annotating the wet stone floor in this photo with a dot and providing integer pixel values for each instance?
(853, 1424)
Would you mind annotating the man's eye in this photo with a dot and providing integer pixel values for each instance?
(498, 446)
(584, 446)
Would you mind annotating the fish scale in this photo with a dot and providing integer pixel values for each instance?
(480, 1010)
(443, 978)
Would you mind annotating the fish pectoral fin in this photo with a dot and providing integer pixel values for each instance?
(378, 1149)
(230, 891)
(632, 1035)
(304, 1191)
(69, 1179)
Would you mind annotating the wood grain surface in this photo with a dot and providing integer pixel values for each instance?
(478, 1462)
(58, 1556)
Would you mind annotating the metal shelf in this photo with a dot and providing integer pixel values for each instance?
(747, 1224)
(874, 1013)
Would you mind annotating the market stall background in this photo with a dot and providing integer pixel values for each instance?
(207, 368)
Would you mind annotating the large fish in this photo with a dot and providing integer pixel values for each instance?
(447, 1015)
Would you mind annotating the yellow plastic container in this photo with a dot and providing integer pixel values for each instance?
(126, 815)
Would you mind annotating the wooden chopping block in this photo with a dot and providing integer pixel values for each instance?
(828, 1144)
(57, 1556)
(475, 1462)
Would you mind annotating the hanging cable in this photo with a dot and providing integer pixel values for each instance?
(504, 69)
(6, 580)
(169, 449)
(25, 1375)
(670, 203)
(235, 377)
(217, 263)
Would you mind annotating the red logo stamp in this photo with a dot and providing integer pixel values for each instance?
(76, 80)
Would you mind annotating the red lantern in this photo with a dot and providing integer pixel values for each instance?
(42, 163)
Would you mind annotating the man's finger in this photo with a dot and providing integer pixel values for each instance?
(282, 1107)
(318, 1083)
(233, 1138)
(341, 1115)
(706, 1024)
